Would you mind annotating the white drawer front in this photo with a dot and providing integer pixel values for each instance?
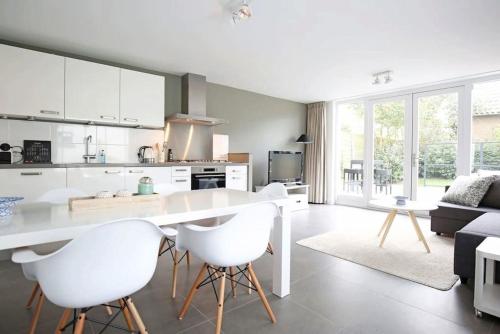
(236, 181)
(181, 171)
(236, 169)
(31, 183)
(94, 179)
(183, 183)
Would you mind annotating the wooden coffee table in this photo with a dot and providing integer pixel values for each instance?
(410, 207)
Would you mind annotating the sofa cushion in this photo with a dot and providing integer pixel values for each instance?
(492, 197)
(487, 224)
(460, 212)
(468, 190)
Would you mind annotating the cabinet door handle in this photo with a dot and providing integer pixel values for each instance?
(112, 172)
(181, 180)
(31, 173)
(236, 178)
(127, 119)
(108, 117)
(49, 112)
(181, 170)
(136, 171)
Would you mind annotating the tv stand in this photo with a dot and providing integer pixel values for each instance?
(299, 193)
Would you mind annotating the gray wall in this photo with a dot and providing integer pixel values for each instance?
(257, 124)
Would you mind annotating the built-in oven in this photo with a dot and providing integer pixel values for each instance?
(208, 177)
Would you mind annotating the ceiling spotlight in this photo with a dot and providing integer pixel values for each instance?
(242, 13)
(385, 74)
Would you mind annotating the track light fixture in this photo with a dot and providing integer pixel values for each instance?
(242, 13)
(387, 75)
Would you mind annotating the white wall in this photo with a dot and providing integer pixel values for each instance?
(68, 140)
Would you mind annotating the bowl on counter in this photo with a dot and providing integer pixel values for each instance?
(401, 200)
(7, 205)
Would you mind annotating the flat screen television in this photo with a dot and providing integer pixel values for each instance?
(285, 166)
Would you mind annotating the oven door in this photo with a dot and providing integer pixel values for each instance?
(208, 181)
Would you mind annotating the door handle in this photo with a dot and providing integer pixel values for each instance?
(127, 119)
(112, 172)
(181, 180)
(49, 112)
(31, 173)
(136, 171)
(108, 117)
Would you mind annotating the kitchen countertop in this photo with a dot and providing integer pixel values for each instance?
(124, 164)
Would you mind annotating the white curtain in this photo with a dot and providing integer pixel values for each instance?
(315, 166)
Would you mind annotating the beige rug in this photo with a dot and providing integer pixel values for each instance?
(402, 255)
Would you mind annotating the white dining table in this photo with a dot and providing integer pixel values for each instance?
(40, 223)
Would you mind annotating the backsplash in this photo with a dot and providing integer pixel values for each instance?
(68, 140)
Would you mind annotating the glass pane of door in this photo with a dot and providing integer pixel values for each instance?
(351, 148)
(486, 128)
(437, 138)
(389, 148)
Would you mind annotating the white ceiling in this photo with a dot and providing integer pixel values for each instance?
(302, 50)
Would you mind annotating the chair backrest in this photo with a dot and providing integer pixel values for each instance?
(240, 240)
(357, 164)
(60, 195)
(165, 189)
(274, 189)
(104, 264)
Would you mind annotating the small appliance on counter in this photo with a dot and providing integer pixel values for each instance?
(146, 155)
(37, 152)
(146, 186)
(7, 154)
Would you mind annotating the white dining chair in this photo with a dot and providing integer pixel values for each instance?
(274, 189)
(107, 263)
(58, 196)
(234, 244)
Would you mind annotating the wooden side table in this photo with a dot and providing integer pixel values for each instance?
(486, 292)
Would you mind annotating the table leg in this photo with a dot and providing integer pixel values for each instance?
(391, 217)
(418, 230)
(382, 228)
(281, 257)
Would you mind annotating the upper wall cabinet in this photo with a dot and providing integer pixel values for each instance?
(142, 99)
(92, 92)
(31, 83)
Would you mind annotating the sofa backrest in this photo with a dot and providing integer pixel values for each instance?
(492, 197)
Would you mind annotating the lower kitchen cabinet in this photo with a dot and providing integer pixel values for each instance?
(94, 179)
(159, 175)
(236, 178)
(31, 183)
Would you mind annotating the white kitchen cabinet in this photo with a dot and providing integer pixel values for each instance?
(31, 83)
(31, 183)
(160, 175)
(237, 178)
(92, 92)
(142, 99)
(183, 183)
(94, 179)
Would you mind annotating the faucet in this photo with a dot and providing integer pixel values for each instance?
(87, 157)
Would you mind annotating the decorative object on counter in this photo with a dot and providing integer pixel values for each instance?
(124, 193)
(146, 155)
(37, 152)
(102, 157)
(7, 205)
(104, 194)
(304, 139)
(7, 154)
(170, 155)
(94, 203)
(401, 200)
(146, 186)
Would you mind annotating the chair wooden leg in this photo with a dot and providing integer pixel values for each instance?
(261, 293)
(193, 290)
(220, 304)
(270, 249)
(64, 319)
(188, 258)
(36, 315)
(80, 323)
(34, 292)
(163, 242)
(127, 316)
(174, 273)
(109, 311)
(250, 285)
(233, 282)
(135, 314)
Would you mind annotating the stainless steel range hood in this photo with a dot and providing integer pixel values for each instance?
(194, 102)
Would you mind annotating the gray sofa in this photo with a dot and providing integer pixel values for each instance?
(450, 218)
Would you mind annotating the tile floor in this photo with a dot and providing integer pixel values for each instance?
(329, 295)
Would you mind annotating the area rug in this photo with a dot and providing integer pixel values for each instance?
(402, 254)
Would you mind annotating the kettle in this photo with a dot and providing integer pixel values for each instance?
(145, 154)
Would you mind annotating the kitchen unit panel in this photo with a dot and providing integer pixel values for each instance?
(142, 99)
(159, 175)
(92, 92)
(236, 178)
(31, 183)
(94, 179)
(183, 183)
(32, 83)
(181, 171)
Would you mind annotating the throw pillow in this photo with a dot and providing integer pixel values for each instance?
(492, 197)
(468, 190)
